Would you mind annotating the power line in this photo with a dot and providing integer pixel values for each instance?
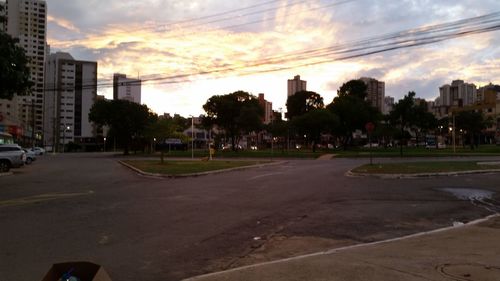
(194, 22)
(404, 39)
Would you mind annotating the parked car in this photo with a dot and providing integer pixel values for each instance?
(30, 156)
(230, 147)
(433, 145)
(38, 150)
(11, 156)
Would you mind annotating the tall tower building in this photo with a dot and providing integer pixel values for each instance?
(126, 89)
(296, 85)
(458, 93)
(27, 21)
(388, 104)
(376, 92)
(71, 92)
(268, 109)
(2, 14)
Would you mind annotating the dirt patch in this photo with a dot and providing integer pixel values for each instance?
(492, 223)
(279, 247)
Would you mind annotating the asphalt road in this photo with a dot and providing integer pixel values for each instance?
(88, 207)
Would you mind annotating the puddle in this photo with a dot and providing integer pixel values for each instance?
(479, 197)
(469, 193)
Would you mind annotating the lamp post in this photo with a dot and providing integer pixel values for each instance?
(453, 134)
(272, 147)
(192, 136)
(104, 149)
(64, 137)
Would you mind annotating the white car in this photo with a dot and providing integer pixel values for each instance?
(30, 156)
(11, 156)
(38, 150)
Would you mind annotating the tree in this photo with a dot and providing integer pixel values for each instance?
(280, 129)
(14, 70)
(471, 123)
(352, 109)
(353, 88)
(303, 102)
(128, 120)
(402, 114)
(409, 115)
(314, 123)
(423, 121)
(235, 113)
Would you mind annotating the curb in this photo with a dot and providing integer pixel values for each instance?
(341, 249)
(350, 173)
(141, 172)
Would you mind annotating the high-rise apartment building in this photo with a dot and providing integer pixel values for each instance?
(375, 92)
(458, 93)
(296, 85)
(2, 14)
(488, 92)
(27, 21)
(71, 92)
(126, 88)
(388, 104)
(268, 109)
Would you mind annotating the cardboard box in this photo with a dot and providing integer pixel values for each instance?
(84, 271)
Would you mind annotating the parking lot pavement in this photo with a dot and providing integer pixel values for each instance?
(465, 252)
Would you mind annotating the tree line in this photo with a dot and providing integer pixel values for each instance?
(239, 113)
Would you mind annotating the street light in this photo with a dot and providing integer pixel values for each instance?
(64, 137)
(192, 136)
(104, 144)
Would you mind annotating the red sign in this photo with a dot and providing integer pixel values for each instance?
(369, 127)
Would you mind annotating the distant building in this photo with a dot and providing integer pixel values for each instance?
(296, 85)
(27, 21)
(375, 92)
(126, 88)
(458, 93)
(2, 14)
(268, 109)
(388, 104)
(71, 92)
(490, 88)
(201, 137)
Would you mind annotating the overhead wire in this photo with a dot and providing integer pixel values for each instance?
(197, 22)
(353, 49)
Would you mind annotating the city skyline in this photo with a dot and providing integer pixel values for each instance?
(131, 38)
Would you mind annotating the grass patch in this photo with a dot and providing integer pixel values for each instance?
(187, 167)
(264, 153)
(222, 154)
(423, 167)
(482, 150)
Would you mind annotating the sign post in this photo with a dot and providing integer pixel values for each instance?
(369, 129)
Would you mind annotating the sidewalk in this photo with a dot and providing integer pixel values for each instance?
(468, 252)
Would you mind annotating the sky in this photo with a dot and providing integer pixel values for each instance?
(163, 41)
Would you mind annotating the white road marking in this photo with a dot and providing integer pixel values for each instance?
(265, 175)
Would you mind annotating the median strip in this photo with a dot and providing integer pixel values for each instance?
(189, 168)
(425, 169)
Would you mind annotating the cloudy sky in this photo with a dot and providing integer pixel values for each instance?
(172, 45)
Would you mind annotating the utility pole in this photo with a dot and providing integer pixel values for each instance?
(192, 137)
